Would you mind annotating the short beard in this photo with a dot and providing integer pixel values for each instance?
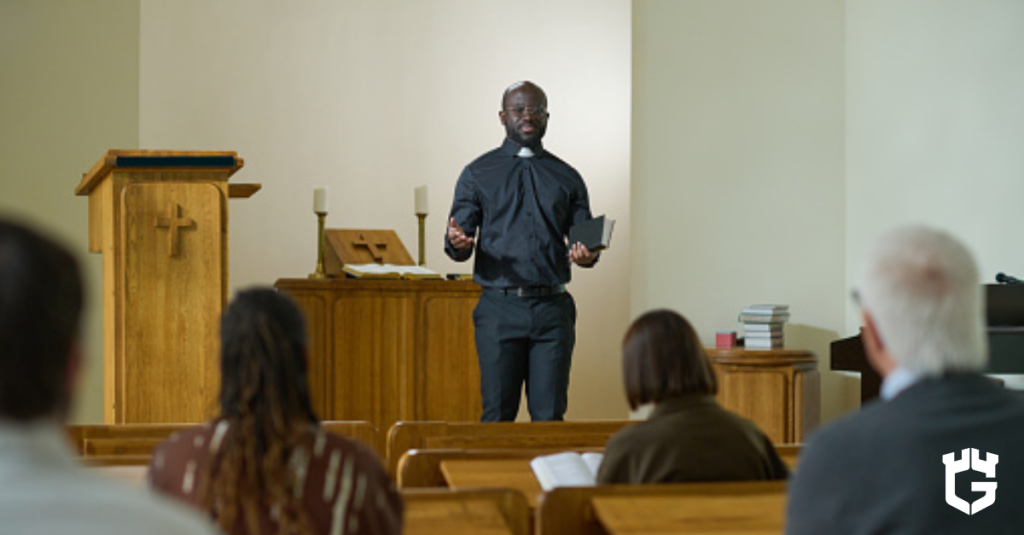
(531, 143)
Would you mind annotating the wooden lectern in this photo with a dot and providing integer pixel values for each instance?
(160, 220)
(355, 246)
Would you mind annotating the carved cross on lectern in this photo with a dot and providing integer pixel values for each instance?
(173, 224)
(375, 248)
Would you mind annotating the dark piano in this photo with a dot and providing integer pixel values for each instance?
(1004, 308)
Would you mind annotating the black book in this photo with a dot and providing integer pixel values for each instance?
(595, 234)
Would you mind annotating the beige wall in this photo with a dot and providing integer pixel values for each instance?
(935, 124)
(738, 191)
(770, 140)
(376, 98)
(69, 91)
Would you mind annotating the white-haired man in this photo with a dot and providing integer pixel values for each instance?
(943, 450)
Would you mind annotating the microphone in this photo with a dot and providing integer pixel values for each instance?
(1003, 278)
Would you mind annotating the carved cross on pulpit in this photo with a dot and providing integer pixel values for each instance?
(173, 224)
(374, 247)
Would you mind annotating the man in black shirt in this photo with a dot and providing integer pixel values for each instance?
(515, 204)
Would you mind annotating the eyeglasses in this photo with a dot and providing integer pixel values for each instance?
(520, 111)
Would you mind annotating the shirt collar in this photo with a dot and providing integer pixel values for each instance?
(686, 401)
(512, 148)
(42, 441)
(897, 381)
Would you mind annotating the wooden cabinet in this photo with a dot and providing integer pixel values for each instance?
(779, 390)
(390, 350)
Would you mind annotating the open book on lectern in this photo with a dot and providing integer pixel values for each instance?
(389, 271)
(370, 254)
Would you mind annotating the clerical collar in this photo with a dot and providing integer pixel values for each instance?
(516, 150)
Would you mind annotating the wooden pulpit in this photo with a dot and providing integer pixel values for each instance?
(387, 350)
(160, 220)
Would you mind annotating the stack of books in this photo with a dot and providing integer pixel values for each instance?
(762, 326)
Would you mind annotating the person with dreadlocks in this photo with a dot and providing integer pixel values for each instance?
(264, 465)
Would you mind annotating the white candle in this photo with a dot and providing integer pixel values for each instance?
(421, 200)
(320, 200)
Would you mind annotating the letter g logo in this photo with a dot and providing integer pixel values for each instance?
(970, 460)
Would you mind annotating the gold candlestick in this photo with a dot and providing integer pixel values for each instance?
(319, 273)
(423, 241)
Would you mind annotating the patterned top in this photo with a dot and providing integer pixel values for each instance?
(341, 482)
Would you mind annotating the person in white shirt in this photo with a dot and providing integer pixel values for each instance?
(43, 490)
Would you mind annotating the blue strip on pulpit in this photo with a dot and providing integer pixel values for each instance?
(175, 161)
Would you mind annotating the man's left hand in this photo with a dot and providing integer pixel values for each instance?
(581, 256)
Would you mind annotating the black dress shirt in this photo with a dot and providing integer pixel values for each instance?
(519, 210)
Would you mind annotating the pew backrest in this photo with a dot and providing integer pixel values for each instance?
(422, 468)
(130, 444)
(737, 508)
(468, 512)
(551, 436)
(134, 442)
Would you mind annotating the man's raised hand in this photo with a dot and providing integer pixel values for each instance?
(457, 237)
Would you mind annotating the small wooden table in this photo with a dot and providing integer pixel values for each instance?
(511, 473)
(778, 389)
(656, 515)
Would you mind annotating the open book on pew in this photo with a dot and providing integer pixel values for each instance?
(568, 469)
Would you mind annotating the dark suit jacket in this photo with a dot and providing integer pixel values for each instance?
(881, 470)
(690, 438)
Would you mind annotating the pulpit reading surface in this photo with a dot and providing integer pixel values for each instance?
(370, 254)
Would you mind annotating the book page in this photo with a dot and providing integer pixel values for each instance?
(415, 270)
(366, 268)
(385, 269)
(562, 470)
(593, 462)
(606, 236)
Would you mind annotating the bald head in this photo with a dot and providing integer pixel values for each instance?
(524, 113)
(526, 86)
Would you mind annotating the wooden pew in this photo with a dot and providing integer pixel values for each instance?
(132, 444)
(556, 436)
(422, 468)
(790, 454)
(735, 508)
(473, 512)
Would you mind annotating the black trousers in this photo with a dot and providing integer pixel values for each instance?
(524, 340)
